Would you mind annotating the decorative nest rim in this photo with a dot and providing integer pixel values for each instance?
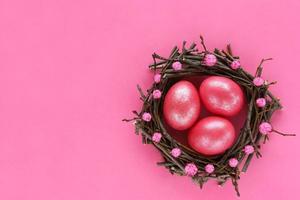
(193, 64)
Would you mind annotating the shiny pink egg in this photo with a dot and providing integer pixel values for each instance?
(181, 106)
(212, 136)
(221, 96)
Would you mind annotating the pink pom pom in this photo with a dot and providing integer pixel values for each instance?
(210, 60)
(146, 116)
(233, 162)
(261, 102)
(258, 81)
(176, 152)
(191, 169)
(209, 168)
(156, 94)
(248, 149)
(157, 78)
(156, 137)
(177, 66)
(265, 128)
(235, 64)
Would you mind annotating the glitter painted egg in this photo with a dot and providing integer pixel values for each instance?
(181, 107)
(212, 136)
(221, 96)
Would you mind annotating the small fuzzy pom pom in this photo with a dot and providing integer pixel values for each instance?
(210, 60)
(209, 168)
(248, 149)
(157, 78)
(146, 116)
(191, 169)
(261, 102)
(235, 64)
(265, 128)
(258, 81)
(177, 66)
(156, 94)
(233, 162)
(176, 152)
(156, 137)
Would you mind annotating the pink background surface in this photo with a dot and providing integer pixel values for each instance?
(68, 71)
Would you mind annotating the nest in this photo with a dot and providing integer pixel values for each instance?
(193, 64)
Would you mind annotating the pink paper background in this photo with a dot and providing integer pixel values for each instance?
(68, 71)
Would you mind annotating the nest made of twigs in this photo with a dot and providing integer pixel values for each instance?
(193, 65)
